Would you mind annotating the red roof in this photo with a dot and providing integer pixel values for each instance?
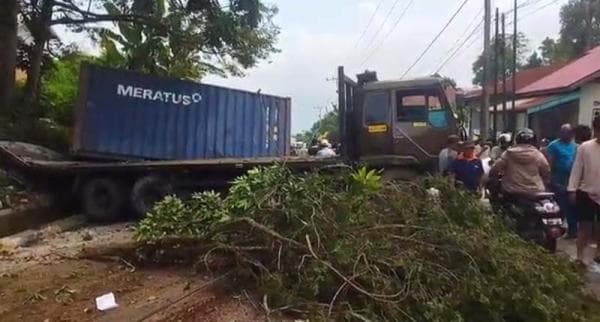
(567, 78)
(524, 78)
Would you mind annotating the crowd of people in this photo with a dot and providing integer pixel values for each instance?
(568, 166)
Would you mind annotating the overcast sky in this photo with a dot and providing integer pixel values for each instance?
(318, 35)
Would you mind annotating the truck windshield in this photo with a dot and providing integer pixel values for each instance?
(377, 108)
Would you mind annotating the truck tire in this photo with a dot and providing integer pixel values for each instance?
(103, 199)
(147, 191)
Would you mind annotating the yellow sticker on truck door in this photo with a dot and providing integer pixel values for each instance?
(381, 128)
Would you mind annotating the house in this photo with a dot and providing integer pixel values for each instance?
(547, 97)
(571, 94)
(524, 78)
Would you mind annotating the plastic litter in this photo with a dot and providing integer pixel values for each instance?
(106, 302)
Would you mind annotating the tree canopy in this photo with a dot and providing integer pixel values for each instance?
(504, 48)
(190, 40)
(180, 38)
(326, 126)
(580, 30)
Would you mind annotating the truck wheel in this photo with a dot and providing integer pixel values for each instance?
(147, 191)
(103, 199)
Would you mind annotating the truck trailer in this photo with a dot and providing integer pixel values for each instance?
(132, 146)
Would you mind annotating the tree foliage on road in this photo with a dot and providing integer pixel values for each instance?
(352, 248)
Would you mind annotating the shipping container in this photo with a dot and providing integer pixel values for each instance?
(126, 115)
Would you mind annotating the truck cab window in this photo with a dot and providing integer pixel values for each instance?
(411, 107)
(376, 108)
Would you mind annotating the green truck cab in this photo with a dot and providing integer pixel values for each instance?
(399, 125)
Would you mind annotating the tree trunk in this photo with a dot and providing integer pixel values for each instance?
(8, 53)
(41, 35)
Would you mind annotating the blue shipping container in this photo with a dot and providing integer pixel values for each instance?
(128, 115)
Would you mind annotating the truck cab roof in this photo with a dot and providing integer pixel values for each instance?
(422, 82)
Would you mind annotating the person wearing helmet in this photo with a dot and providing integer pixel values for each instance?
(504, 141)
(523, 167)
(325, 150)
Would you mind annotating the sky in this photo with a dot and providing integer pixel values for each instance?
(319, 35)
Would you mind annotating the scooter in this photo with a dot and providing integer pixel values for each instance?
(536, 217)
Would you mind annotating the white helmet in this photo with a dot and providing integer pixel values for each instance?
(505, 138)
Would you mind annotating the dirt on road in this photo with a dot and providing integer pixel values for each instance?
(41, 280)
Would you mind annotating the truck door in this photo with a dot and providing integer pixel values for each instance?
(422, 123)
(375, 128)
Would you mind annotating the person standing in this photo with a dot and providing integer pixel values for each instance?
(582, 133)
(448, 154)
(584, 190)
(325, 150)
(561, 154)
(467, 168)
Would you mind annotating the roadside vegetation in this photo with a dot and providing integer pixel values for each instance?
(350, 247)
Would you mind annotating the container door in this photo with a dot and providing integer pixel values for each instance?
(376, 129)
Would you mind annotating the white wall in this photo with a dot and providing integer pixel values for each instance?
(589, 103)
(522, 120)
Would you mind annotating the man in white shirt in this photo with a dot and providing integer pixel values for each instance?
(325, 150)
(584, 190)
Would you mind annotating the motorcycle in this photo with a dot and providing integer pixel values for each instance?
(536, 217)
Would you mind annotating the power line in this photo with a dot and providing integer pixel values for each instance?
(435, 38)
(449, 58)
(528, 3)
(362, 35)
(387, 35)
(387, 17)
(534, 11)
(456, 43)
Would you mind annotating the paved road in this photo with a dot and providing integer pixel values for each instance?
(568, 247)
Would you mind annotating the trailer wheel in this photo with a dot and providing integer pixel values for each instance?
(103, 199)
(147, 191)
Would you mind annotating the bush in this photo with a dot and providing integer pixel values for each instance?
(352, 248)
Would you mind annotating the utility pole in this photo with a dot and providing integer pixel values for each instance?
(485, 95)
(513, 119)
(503, 66)
(495, 98)
(588, 25)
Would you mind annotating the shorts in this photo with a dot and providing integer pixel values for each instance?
(587, 209)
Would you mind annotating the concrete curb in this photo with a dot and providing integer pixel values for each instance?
(32, 215)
